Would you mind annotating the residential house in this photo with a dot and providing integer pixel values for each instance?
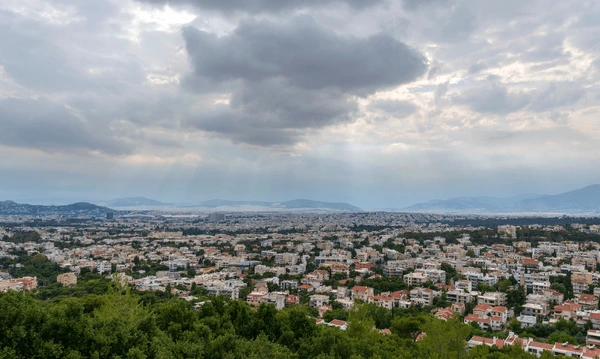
(361, 292)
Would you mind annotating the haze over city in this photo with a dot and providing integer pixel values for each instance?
(379, 104)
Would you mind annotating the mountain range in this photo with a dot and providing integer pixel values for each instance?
(224, 204)
(10, 208)
(132, 203)
(583, 200)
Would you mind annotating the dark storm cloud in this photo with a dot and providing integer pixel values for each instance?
(271, 113)
(306, 54)
(49, 127)
(260, 6)
(288, 77)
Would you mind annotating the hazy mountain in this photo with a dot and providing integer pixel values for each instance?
(134, 202)
(296, 204)
(582, 200)
(470, 204)
(586, 199)
(76, 209)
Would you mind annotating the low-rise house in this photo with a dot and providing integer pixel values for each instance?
(306, 287)
(361, 292)
(482, 321)
(291, 300)
(566, 311)
(536, 348)
(595, 319)
(340, 324)
(458, 308)
(527, 321)
(16, 284)
(553, 296)
(539, 310)
(276, 298)
(444, 313)
(386, 302)
(345, 302)
(593, 337)
(501, 312)
(288, 284)
(587, 301)
(318, 300)
(423, 296)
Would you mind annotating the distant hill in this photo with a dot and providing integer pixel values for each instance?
(584, 200)
(134, 202)
(470, 204)
(8, 208)
(296, 204)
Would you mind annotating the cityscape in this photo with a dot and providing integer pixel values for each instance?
(530, 282)
(299, 179)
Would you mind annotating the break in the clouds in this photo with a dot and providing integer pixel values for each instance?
(380, 103)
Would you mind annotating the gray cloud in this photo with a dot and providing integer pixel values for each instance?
(420, 4)
(555, 96)
(305, 54)
(260, 6)
(49, 127)
(477, 68)
(443, 21)
(497, 98)
(272, 113)
(48, 65)
(293, 76)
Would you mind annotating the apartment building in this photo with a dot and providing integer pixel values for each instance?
(67, 279)
(492, 298)
(415, 279)
(458, 296)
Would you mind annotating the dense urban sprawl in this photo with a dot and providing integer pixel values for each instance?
(530, 283)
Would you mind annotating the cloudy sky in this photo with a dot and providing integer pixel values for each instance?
(379, 103)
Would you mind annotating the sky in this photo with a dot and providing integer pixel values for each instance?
(380, 103)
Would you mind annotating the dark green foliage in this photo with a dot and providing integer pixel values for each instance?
(384, 284)
(121, 324)
(37, 265)
(23, 237)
